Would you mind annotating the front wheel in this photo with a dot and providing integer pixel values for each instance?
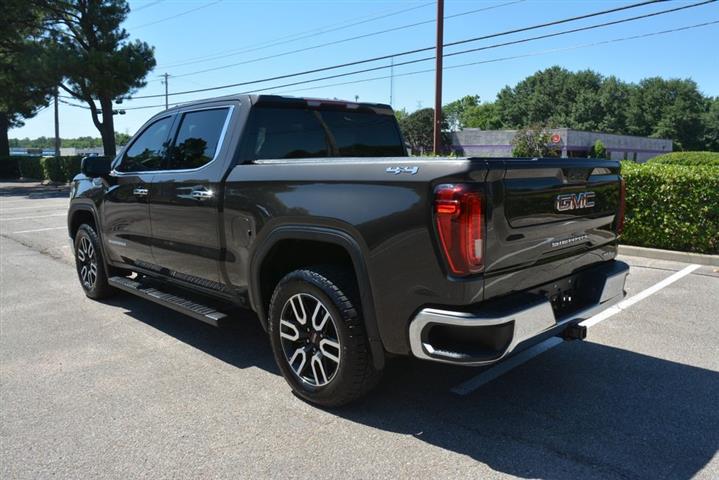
(318, 336)
(89, 264)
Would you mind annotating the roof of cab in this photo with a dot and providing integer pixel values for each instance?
(255, 99)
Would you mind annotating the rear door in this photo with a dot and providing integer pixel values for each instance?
(185, 197)
(126, 215)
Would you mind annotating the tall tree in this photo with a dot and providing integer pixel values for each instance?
(668, 109)
(710, 140)
(99, 63)
(27, 76)
(418, 128)
(485, 116)
(454, 111)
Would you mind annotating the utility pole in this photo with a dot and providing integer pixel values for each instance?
(438, 79)
(57, 127)
(166, 76)
(391, 81)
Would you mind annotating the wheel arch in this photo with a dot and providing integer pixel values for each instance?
(79, 214)
(335, 242)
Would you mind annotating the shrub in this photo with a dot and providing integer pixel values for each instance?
(687, 158)
(598, 150)
(533, 142)
(30, 167)
(674, 207)
(9, 167)
(56, 169)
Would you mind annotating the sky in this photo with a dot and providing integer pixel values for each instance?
(189, 36)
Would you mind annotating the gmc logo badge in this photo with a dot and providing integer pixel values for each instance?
(574, 201)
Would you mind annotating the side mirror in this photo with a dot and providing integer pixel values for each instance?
(95, 167)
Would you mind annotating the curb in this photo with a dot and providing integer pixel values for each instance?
(671, 255)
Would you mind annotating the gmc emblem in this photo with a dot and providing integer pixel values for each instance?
(574, 201)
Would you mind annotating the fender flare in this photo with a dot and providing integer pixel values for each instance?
(327, 235)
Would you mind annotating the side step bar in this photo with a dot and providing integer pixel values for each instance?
(170, 300)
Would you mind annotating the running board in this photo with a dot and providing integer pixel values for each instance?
(170, 300)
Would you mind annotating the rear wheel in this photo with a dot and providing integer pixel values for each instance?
(89, 264)
(318, 336)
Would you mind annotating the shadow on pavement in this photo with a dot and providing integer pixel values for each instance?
(581, 410)
(32, 190)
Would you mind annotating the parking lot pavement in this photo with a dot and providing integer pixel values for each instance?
(125, 388)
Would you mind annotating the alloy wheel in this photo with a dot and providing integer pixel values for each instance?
(87, 262)
(309, 339)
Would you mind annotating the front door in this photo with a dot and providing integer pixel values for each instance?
(126, 213)
(184, 199)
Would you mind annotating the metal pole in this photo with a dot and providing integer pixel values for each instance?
(165, 82)
(57, 127)
(438, 79)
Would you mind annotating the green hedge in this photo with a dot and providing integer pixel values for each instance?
(673, 207)
(687, 158)
(56, 169)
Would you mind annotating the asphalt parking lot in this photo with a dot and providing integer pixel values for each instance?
(127, 389)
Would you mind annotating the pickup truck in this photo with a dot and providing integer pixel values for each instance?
(311, 214)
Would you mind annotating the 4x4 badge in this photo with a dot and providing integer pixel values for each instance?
(397, 170)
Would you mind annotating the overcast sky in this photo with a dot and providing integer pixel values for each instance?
(231, 28)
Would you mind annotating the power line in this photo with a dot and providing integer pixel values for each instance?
(148, 5)
(298, 36)
(475, 39)
(463, 65)
(385, 57)
(334, 42)
(172, 17)
(501, 59)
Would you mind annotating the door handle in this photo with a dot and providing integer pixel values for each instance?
(140, 192)
(201, 194)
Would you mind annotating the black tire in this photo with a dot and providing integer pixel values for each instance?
(88, 253)
(353, 374)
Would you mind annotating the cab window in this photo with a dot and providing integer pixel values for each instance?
(148, 150)
(197, 139)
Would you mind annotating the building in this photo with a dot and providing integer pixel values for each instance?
(572, 143)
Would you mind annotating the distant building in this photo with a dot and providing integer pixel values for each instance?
(572, 143)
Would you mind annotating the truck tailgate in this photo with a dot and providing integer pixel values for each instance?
(550, 214)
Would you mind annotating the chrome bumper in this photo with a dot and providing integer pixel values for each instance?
(515, 325)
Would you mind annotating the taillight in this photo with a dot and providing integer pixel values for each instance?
(459, 215)
(622, 202)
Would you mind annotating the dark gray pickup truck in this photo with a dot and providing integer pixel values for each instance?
(311, 214)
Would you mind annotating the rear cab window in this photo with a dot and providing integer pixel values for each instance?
(275, 132)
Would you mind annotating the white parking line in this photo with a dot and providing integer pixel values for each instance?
(40, 229)
(492, 373)
(30, 218)
(31, 208)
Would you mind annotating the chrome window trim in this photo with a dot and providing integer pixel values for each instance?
(220, 142)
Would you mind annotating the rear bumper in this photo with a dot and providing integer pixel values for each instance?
(488, 332)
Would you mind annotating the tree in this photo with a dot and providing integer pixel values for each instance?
(454, 111)
(418, 129)
(27, 77)
(710, 139)
(485, 116)
(668, 109)
(533, 141)
(98, 61)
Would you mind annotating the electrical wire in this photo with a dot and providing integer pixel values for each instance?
(296, 36)
(172, 17)
(386, 57)
(451, 67)
(335, 42)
